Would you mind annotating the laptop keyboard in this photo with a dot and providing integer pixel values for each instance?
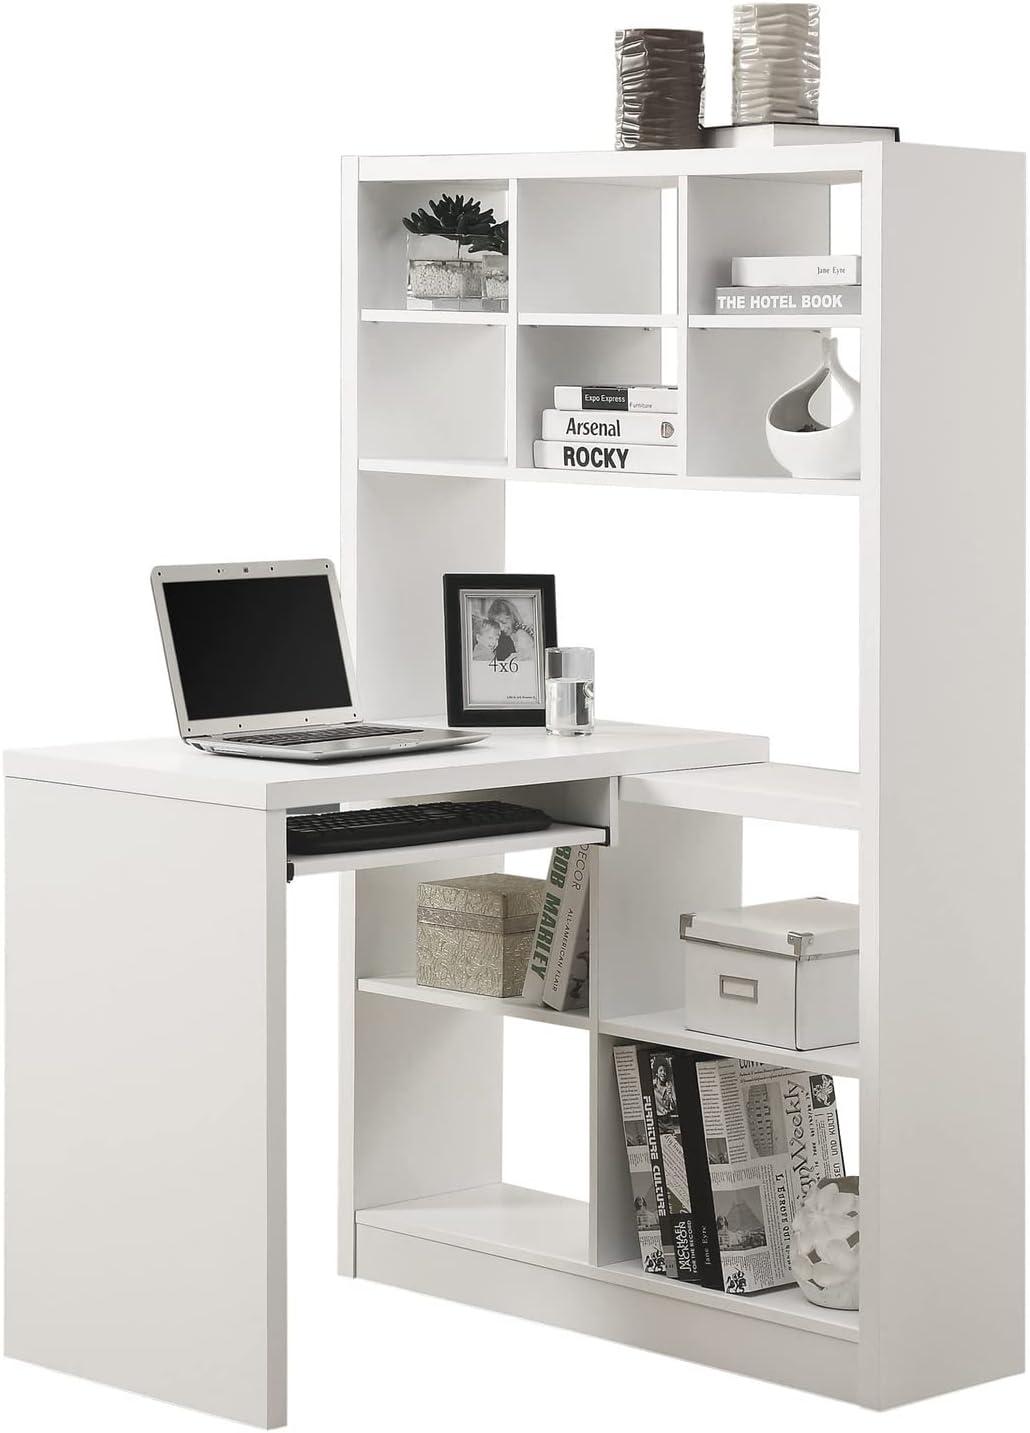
(309, 735)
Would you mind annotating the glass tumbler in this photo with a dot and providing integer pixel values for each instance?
(569, 690)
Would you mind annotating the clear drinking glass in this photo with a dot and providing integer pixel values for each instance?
(569, 690)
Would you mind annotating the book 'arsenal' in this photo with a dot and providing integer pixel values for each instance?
(593, 427)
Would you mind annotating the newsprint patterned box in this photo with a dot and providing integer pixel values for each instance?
(475, 933)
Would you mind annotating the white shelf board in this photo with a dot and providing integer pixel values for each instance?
(502, 1219)
(668, 1027)
(599, 320)
(773, 320)
(438, 467)
(767, 791)
(402, 315)
(782, 1306)
(836, 163)
(556, 835)
(403, 987)
(527, 1225)
(499, 468)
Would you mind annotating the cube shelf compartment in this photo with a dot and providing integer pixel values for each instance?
(615, 259)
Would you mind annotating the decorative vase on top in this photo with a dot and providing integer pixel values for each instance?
(660, 99)
(776, 64)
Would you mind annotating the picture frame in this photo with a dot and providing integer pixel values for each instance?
(496, 629)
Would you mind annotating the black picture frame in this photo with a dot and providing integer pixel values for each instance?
(474, 605)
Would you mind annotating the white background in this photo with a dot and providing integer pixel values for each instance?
(169, 232)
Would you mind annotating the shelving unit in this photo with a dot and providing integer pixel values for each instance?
(436, 410)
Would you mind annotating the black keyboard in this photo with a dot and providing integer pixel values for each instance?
(319, 733)
(326, 832)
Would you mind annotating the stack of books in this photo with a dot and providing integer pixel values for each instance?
(559, 963)
(823, 285)
(611, 429)
(722, 1154)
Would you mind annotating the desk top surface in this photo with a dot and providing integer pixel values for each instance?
(509, 757)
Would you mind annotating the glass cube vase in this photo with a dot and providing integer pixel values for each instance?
(442, 274)
(495, 283)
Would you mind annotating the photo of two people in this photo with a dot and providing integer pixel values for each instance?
(503, 628)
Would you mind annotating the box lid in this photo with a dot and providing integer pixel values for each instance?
(801, 929)
(491, 894)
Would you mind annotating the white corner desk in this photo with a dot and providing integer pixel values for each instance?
(146, 1059)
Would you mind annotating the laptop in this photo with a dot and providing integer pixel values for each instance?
(260, 665)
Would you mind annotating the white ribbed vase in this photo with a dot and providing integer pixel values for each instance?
(776, 64)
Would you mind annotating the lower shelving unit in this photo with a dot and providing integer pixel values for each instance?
(431, 1210)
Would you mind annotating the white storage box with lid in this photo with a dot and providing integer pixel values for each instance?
(782, 974)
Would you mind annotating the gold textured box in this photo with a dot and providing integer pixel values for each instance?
(475, 933)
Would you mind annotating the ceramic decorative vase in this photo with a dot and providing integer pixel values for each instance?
(776, 64)
(661, 89)
(801, 443)
(824, 1244)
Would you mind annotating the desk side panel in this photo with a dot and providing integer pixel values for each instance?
(942, 761)
(145, 1096)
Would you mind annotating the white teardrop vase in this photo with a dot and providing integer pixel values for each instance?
(800, 442)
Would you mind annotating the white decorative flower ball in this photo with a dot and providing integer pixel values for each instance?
(824, 1253)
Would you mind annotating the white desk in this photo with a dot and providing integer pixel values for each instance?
(146, 1069)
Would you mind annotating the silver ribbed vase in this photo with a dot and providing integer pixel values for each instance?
(776, 64)
(661, 89)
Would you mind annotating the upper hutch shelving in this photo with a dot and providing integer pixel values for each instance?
(614, 262)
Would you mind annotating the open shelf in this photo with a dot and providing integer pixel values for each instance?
(555, 835)
(461, 468)
(548, 1230)
(402, 315)
(502, 1219)
(667, 1027)
(772, 320)
(438, 467)
(599, 320)
(767, 791)
(404, 987)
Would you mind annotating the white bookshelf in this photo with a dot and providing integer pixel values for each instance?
(439, 412)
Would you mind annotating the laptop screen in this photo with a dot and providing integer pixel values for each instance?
(253, 646)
